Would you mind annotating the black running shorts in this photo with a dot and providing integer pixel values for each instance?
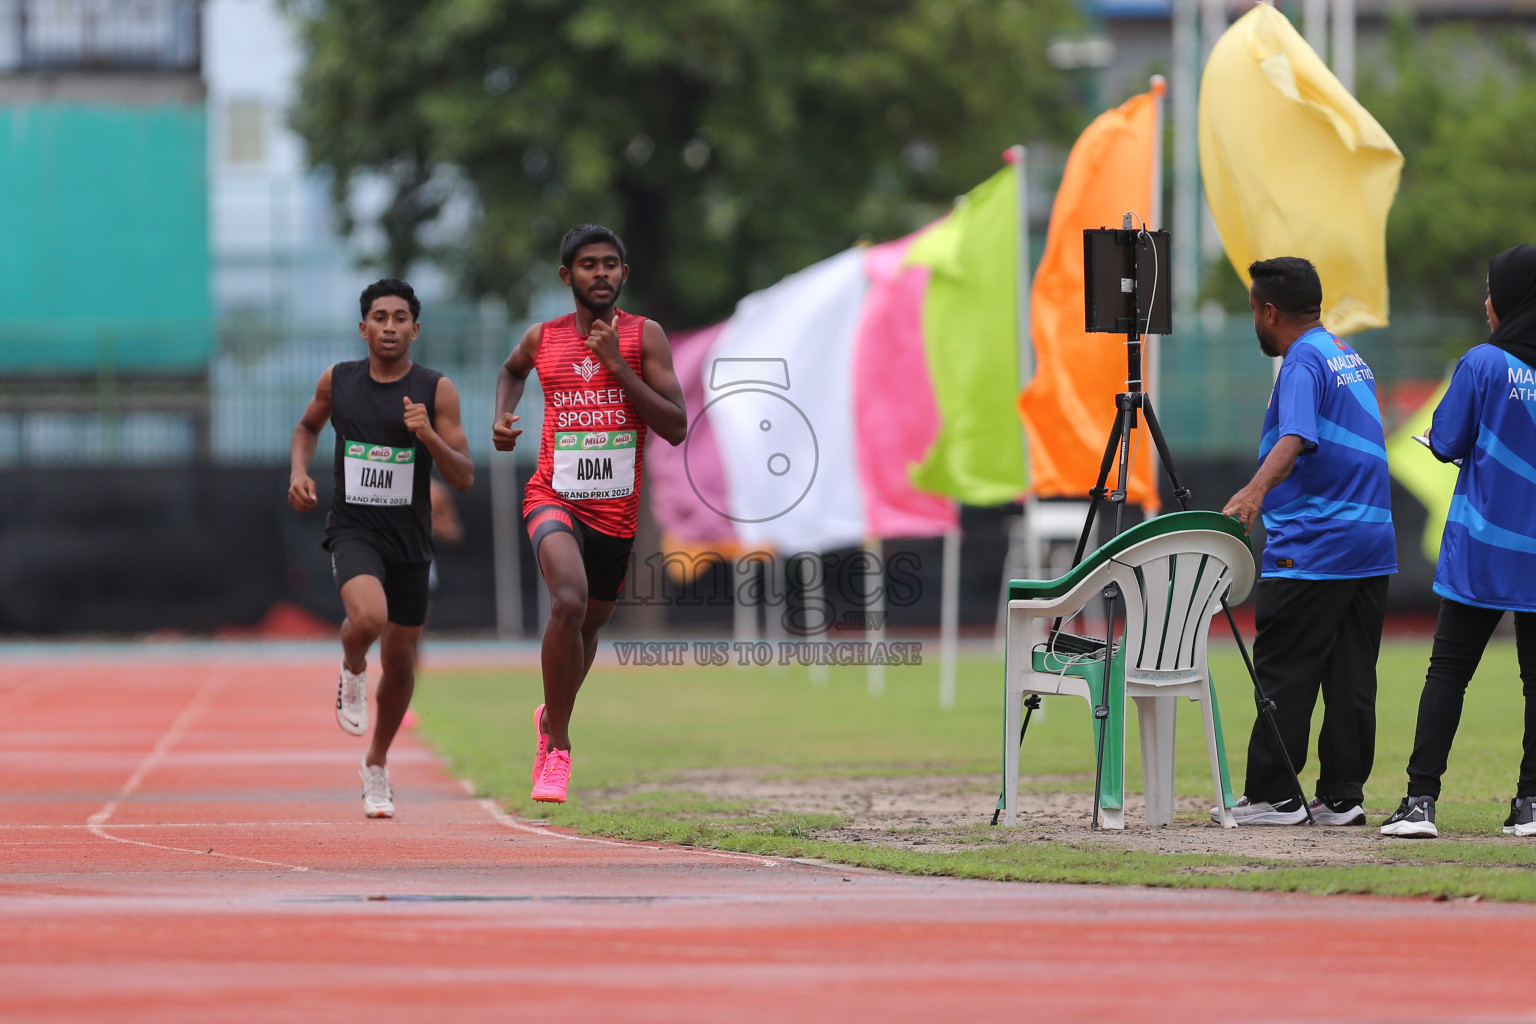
(604, 556)
(405, 583)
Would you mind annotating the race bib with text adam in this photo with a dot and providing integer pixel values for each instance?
(594, 464)
(377, 474)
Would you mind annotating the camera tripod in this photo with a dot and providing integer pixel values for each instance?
(1117, 453)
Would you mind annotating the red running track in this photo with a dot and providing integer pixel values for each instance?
(183, 842)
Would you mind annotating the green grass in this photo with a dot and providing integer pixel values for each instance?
(652, 726)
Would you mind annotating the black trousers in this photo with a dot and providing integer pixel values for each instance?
(1460, 637)
(1317, 636)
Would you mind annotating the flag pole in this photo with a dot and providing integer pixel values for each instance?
(1152, 344)
(874, 616)
(1018, 156)
(949, 618)
(1186, 156)
(1314, 24)
(1344, 43)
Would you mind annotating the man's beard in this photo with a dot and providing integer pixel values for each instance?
(1265, 347)
(611, 300)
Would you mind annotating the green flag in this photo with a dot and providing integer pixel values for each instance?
(1426, 477)
(971, 337)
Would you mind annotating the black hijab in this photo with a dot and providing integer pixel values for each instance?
(1512, 289)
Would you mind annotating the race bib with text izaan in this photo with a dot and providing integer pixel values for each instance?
(594, 464)
(377, 474)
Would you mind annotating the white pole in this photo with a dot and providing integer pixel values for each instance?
(1019, 157)
(1314, 25)
(744, 615)
(1344, 42)
(506, 546)
(774, 586)
(814, 597)
(1213, 22)
(949, 618)
(1186, 157)
(874, 611)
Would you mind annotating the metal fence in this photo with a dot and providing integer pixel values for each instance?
(257, 390)
(1212, 389)
(100, 35)
(1214, 383)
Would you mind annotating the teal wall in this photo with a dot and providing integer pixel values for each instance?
(104, 262)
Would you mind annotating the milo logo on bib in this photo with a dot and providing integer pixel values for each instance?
(378, 474)
(591, 465)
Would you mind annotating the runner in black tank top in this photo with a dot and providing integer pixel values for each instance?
(377, 455)
(394, 420)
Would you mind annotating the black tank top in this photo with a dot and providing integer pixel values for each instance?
(383, 473)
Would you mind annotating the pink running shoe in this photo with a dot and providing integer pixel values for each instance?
(542, 750)
(556, 776)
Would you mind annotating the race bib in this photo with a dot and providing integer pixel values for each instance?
(376, 474)
(594, 464)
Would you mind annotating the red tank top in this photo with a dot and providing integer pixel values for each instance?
(593, 442)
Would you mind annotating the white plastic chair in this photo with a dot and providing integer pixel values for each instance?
(1172, 571)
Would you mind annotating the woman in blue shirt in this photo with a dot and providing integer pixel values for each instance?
(1487, 566)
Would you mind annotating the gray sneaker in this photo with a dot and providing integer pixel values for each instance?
(1522, 817)
(1414, 819)
(1336, 812)
(1262, 812)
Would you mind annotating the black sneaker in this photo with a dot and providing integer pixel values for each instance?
(1414, 818)
(1522, 817)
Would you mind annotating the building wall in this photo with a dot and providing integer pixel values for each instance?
(103, 238)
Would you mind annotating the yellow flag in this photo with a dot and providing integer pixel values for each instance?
(1426, 477)
(1295, 166)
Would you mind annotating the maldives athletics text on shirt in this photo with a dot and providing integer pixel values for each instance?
(1332, 517)
(592, 446)
(1487, 419)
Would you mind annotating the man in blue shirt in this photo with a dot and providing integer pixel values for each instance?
(1487, 566)
(1325, 496)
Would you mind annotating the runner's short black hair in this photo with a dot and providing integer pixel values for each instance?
(588, 234)
(390, 286)
(1289, 283)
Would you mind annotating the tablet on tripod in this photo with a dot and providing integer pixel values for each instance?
(1126, 281)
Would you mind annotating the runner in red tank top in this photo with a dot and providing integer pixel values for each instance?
(608, 380)
(592, 447)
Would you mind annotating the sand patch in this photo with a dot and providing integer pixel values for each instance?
(942, 812)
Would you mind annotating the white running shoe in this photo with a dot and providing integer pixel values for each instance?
(378, 799)
(1261, 812)
(352, 702)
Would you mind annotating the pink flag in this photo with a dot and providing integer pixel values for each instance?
(896, 417)
(681, 480)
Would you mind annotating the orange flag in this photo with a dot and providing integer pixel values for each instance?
(1068, 407)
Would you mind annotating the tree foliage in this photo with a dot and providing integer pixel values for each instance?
(1462, 108)
(729, 141)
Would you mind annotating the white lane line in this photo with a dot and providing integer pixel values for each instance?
(506, 819)
(205, 695)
